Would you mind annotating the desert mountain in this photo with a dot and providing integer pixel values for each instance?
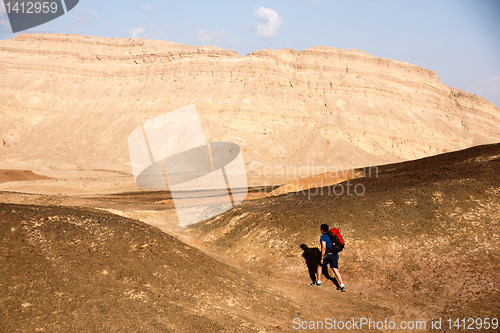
(70, 102)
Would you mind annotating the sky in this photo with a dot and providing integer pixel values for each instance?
(458, 39)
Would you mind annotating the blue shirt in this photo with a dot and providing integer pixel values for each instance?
(325, 238)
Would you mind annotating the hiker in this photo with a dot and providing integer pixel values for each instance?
(328, 258)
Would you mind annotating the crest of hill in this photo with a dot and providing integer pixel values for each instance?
(68, 269)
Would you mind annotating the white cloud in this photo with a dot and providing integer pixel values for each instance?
(136, 32)
(146, 7)
(214, 36)
(272, 23)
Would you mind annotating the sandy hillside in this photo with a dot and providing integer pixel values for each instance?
(65, 270)
(70, 102)
(422, 242)
(423, 238)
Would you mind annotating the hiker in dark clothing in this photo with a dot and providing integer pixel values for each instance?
(328, 258)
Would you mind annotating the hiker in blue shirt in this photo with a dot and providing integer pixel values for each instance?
(328, 258)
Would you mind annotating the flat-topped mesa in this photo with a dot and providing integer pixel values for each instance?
(71, 102)
(108, 48)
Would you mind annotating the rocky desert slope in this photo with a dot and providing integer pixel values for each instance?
(423, 238)
(66, 270)
(422, 242)
(70, 102)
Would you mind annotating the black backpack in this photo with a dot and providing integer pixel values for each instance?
(337, 245)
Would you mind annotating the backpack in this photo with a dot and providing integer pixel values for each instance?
(337, 241)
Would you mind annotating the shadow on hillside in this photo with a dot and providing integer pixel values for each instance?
(312, 257)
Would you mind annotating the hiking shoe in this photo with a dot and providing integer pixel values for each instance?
(315, 283)
(342, 289)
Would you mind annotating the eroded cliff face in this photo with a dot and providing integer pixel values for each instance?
(70, 102)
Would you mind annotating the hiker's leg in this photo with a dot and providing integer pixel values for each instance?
(337, 274)
(335, 268)
(320, 271)
(334, 278)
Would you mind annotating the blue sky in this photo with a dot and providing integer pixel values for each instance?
(460, 39)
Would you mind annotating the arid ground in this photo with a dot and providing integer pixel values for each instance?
(422, 242)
